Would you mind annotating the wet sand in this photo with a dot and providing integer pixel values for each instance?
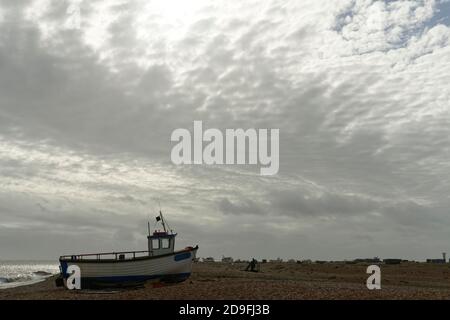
(275, 281)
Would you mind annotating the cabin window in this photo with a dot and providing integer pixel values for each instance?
(165, 244)
(155, 243)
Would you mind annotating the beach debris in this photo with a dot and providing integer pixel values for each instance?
(59, 281)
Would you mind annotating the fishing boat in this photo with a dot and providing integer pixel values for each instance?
(160, 264)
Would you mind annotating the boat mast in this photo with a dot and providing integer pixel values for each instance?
(162, 220)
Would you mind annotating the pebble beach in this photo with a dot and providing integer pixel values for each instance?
(291, 281)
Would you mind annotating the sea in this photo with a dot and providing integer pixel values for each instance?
(21, 273)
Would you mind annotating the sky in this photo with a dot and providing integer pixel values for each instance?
(359, 90)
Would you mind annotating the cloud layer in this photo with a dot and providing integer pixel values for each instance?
(358, 89)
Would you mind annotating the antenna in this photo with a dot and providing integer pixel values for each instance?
(162, 221)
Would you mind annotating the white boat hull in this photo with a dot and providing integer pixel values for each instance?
(169, 268)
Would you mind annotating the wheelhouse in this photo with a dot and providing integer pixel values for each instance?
(161, 242)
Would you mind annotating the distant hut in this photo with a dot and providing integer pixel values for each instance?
(435, 261)
(392, 261)
(368, 260)
(209, 259)
(227, 259)
(443, 260)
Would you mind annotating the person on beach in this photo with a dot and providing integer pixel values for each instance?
(251, 265)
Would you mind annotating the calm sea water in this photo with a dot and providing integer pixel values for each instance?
(20, 273)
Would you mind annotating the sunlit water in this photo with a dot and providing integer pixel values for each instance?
(20, 273)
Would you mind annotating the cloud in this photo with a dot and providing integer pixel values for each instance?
(358, 90)
(380, 26)
(241, 207)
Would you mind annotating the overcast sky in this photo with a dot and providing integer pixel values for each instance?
(359, 90)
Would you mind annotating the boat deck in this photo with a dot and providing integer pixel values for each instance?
(118, 256)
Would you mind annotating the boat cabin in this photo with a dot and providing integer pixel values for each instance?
(161, 242)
